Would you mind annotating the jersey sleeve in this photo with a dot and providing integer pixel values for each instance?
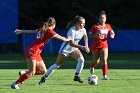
(70, 34)
(51, 33)
(110, 28)
(84, 31)
(92, 30)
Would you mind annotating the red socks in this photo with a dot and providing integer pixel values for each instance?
(39, 72)
(105, 69)
(22, 78)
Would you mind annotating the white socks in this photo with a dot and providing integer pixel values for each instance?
(79, 66)
(51, 70)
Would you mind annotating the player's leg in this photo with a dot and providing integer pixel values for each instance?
(79, 57)
(104, 57)
(95, 61)
(60, 59)
(31, 64)
(40, 68)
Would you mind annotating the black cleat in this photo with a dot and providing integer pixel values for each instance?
(42, 80)
(76, 78)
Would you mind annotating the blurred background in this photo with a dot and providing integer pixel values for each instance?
(123, 15)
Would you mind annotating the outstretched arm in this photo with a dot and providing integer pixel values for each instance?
(61, 38)
(17, 31)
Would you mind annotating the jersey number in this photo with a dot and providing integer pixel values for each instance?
(38, 35)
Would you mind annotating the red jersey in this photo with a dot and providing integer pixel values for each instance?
(97, 42)
(36, 47)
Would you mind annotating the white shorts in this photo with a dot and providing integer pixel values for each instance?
(67, 53)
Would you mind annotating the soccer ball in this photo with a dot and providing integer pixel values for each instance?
(93, 80)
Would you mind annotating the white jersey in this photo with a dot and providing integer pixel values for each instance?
(76, 36)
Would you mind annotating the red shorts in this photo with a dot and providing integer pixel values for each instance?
(32, 54)
(97, 47)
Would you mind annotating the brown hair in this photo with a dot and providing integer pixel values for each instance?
(77, 19)
(50, 22)
(102, 12)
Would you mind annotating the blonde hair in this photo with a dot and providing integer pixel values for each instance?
(77, 19)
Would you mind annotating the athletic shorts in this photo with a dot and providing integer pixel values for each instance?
(32, 54)
(67, 52)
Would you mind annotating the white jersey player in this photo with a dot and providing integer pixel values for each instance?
(76, 36)
(76, 32)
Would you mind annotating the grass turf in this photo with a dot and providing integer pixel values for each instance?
(123, 73)
(121, 81)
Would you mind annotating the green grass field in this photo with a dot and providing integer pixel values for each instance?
(124, 74)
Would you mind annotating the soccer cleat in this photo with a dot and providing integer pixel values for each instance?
(14, 86)
(91, 70)
(42, 80)
(76, 78)
(105, 78)
(21, 73)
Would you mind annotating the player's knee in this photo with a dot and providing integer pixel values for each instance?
(104, 61)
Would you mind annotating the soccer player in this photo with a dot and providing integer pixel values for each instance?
(76, 32)
(99, 46)
(32, 53)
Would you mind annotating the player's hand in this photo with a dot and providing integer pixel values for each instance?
(70, 41)
(112, 36)
(17, 31)
(101, 36)
(87, 50)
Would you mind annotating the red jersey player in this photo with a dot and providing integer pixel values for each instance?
(32, 55)
(99, 46)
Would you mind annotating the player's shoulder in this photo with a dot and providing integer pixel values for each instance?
(83, 29)
(95, 25)
(50, 30)
(107, 24)
(72, 29)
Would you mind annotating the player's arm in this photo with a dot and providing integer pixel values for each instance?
(112, 34)
(92, 32)
(86, 43)
(61, 38)
(17, 31)
(71, 42)
(93, 35)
